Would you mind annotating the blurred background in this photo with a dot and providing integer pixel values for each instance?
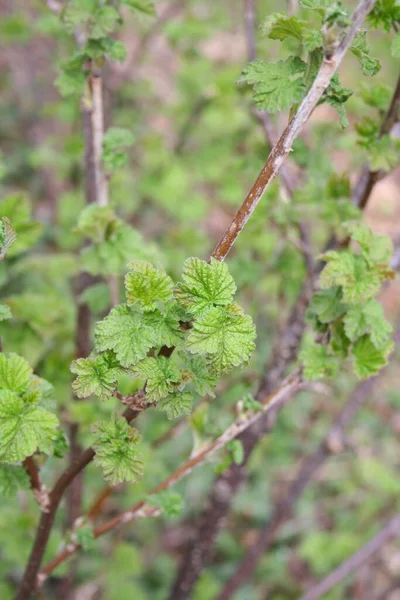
(197, 149)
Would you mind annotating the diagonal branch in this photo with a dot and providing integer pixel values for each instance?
(283, 146)
(390, 530)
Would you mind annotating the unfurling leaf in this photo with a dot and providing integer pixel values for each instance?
(369, 360)
(147, 286)
(161, 374)
(116, 451)
(96, 375)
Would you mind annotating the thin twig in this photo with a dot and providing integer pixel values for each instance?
(349, 566)
(283, 147)
(286, 391)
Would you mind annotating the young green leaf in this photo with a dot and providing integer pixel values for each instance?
(24, 428)
(236, 450)
(170, 502)
(277, 86)
(204, 285)
(96, 375)
(225, 335)
(166, 327)
(369, 317)
(115, 141)
(104, 21)
(203, 380)
(176, 404)
(368, 360)
(96, 222)
(15, 373)
(161, 375)
(286, 27)
(147, 286)
(85, 537)
(327, 304)
(145, 7)
(337, 95)
(124, 331)
(369, 65)
(317, 363)
(116, 451)
(351, 272)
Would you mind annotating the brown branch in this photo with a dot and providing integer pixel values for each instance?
(368, 178)
(282, 148)
(278, 399)
(349, 566)
(38, 488)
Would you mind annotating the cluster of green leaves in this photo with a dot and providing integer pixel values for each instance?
(282, 85)
(26, 424)
(211, 333)
(96, 20)
(345, 314)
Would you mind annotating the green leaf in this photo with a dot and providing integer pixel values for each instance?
(115, 141)
(370, 318)
(112, 49)
(384, 153)
(327, 304)
(105, 21)
(319, 6)
(277, 86)
(70, 83)
(96, 375)
(76, 13)
(85, 537)
(337, 95)
(368, 360)
(96, 222)
(161, 375)
(351, 272)
(166, 327)
(24, 428)
(312, 39)
(395, 47)
(5, 312)
(171, 503)
(147, 286)
(15, 373)
(124, 331)
(116, 451)
(386, 14)
(317, 363)
(145, 7)
(377, 249)
(286, 27)
(250, 404)
(204, 382)
(236, 450)
(12, 479)
(369, 65)
(204, 285)
(176, 404)
(225, 335)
